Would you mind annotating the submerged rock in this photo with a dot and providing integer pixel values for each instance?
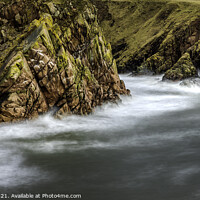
(53, 54)
(192, 82)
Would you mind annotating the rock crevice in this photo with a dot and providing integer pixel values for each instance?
(57, 56)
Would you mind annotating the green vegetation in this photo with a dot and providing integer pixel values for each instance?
(149, 34)
(54, 54)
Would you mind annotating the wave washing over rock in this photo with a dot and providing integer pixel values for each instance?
(53, 54)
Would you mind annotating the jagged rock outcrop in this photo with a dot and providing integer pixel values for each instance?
(153, 36)
(53, 54)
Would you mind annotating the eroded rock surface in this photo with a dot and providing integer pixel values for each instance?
(53, 54)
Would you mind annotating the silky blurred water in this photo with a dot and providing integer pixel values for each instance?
(145, 148)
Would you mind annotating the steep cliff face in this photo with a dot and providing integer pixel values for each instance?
(53, 54)
(153, 36)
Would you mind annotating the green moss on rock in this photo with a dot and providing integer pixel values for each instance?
(151, 36)
(58, 57)
(184, 68)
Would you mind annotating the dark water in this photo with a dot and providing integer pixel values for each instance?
(146, 148)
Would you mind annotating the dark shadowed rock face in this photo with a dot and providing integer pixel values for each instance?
(53, 54)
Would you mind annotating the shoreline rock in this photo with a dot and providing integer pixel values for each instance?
(54, 55)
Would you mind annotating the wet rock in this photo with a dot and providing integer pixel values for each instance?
(24, 98)
(61, 59)
(192, 82)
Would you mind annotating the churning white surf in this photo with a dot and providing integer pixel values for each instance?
(111, 126)
(150, 97)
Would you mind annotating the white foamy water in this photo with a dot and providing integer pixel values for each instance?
(150, 97)
(157, 114)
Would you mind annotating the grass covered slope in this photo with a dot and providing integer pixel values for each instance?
(152, 35)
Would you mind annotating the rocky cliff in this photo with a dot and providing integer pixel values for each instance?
(53, 55)
(153, 36)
